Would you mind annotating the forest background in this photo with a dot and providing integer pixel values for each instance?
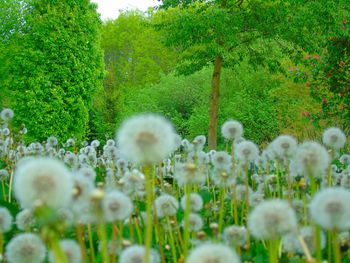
(279, 67)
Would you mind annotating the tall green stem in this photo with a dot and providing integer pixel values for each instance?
(147, 170)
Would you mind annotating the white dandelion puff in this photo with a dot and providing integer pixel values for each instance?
(116, 206)
(25, 248)
(272, 219)
(166, 205)
(334, 138)
(232, 130)
(330, 208)
(43, 179)
(146, 138)
(135, 254)
(212, 253)
(196, 202)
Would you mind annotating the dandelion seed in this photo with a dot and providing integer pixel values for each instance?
(199, 143)
(195, 222)
(88, 172)
(166, 205)
(116, 206)
(330, 208)
(284, 146)
(146, 139)
(196, 202)
(272, 219)
(235, 235)
(212, 253)
(95, 143)
(5, 220)
(246, 151)
(221, 159)
(334, 138)
(43, 179)
(25, 248)
(6, 114)
(232, 130)
(345, 159)
(71, 249)
(25, 219)
(311, 159)
(4, 174)
(135, 254)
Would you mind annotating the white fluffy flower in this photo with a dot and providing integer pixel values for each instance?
(272, 219)
(345, 159)
(25, 248)
(235, 235)
(43, 179)
(25, 219)
(311, 158)
(146, 138)
(221, 159)
(213, 253)
(284, 146)
(166, 205)
(135, 254)
(196, 202)
(232, 130)
(195, 222)
(116, 206)
(334, 138)
(72, 250)
(246, 151)
(330, 208)
(5, 220)
(6, 114)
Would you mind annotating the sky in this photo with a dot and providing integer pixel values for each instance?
(110, 8)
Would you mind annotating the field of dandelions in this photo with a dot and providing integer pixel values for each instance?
(149, 196)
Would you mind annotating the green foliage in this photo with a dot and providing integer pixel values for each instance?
(134, 56)
(185, 99)
(53, 67)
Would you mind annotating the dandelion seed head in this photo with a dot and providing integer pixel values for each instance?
(71, 249)
(212, 253)
(6, 114)
(25, 248)
(25, 219)
(272, 219)
(246, 151)
(311, 159)
(146, 138)
(116, 206)
(330, 208)
(43, 179)
(135, 254)
(232, 130)
(235, 235)
(284, 146)
(166, 205)
(334, 138)
(196, 202)
(5, 220)
(221, 159)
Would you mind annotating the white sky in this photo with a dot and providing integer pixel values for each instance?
(110, 8)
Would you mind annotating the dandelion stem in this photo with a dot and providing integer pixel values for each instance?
(80, 236)
(187, 220)
(91, 243)
(336, 246)
(222, 208)
(101, 231)
(171, 238)
(147, 170)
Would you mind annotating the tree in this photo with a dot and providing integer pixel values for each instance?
(134, 56)
(218, 32)
(54, 66)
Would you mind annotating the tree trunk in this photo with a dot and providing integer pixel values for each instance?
(214, 103)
